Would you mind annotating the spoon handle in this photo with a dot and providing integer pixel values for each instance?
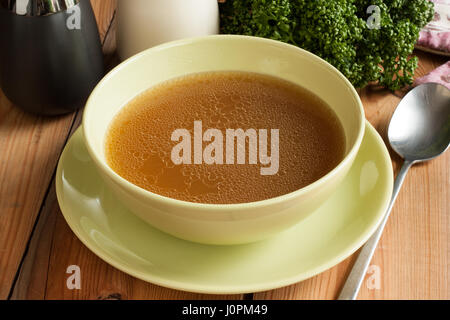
(353, 283)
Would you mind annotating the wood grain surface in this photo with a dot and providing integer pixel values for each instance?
(36, 244)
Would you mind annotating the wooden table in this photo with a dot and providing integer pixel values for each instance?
(36, 245)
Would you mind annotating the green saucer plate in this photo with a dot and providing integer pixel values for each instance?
(328, 236)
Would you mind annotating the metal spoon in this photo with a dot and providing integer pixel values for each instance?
(419, 131)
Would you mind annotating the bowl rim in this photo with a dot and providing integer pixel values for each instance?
(220, 207)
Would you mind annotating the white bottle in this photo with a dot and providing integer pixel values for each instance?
(142, 24)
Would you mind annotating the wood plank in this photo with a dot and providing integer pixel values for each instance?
(414, 252)
(32, 279)
(30, 147)
(104, 12)
(109, 46)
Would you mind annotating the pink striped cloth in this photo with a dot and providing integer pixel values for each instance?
(436, 36)
(440, 75)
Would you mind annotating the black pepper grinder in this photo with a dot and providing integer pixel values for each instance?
(50, 54)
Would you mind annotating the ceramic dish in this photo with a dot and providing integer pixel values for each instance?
(335, 230)
(230, 223)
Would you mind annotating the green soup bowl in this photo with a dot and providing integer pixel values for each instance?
(230, 223)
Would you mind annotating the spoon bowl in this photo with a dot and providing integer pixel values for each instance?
(420, 127)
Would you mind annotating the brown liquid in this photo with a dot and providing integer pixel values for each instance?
(138, 144)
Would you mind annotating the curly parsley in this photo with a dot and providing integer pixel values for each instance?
(338, 31)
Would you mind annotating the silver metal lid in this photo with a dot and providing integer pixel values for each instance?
(37, 7)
